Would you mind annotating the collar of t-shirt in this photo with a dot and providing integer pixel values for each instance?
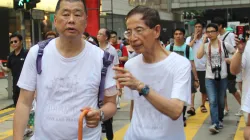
(107, 47)
(21, 51)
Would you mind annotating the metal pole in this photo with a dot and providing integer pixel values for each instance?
(9, 78)
(39, 30)
(23, 27)
(112, 15)
(33, 29)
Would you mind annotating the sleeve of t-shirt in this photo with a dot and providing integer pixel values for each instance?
(9, 62)
(244, 56)
(168, 47)
(182, 83)
(124, 51)
(191, 54)
(28, 77)
(246, 104)
(188, 40)
(229, 48)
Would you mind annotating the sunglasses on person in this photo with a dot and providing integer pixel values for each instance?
(13, 42)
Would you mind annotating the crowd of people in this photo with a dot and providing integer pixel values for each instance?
(161, 81)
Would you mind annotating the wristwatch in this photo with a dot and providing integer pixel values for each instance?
(144, 91)
(102, 115)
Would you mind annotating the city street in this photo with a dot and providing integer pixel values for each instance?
(196, 129)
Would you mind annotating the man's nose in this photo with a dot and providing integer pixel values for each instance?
(71, 19)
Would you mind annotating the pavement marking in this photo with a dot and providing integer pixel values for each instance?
(6, 134)
(119, 135)
(6, 110)
(7, 117)
(239, 133)
(195, 122)
(123, 104)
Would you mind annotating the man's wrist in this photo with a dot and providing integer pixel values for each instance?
(240, 52)
(102, 115)
(140, 86)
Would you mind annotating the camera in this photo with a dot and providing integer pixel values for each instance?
(216, 70)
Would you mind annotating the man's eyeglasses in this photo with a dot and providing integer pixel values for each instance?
(137, 31)
(210, 32)
(13, 42)
(113, 37)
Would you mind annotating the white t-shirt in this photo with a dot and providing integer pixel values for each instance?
(216, 59)
(246, 72)
(246, 104)
(65, 86)
(229, 39)
(200, 64)
(171, 78)
(112, 51)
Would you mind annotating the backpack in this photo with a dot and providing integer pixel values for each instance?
(107, 60)
(186, 51)
(229, 75)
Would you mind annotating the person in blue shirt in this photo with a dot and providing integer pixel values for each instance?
(180, 47)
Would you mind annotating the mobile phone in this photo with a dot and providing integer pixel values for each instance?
(241, 33)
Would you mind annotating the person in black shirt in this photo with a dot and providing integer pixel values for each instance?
(15, 63)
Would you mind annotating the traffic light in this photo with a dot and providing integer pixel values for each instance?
(18, 4)
(30, 4)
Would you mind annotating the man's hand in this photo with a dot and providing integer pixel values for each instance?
(196, 34)
(125, 78)
(204, 39)
(92, 117)
(240, 45)
(228, 60)
(1, 65)
(196, 84)
(119, 92)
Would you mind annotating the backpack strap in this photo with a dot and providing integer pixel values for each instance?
(224, 46)
(225, 36)
(225, 49)
(107, 60)
(41, 45)
(171, 47)
(187, 51)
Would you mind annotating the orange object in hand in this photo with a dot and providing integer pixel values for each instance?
(80, 123)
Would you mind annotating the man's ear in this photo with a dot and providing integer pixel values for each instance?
(157, 31)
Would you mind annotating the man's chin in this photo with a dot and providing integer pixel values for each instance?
(138, 50)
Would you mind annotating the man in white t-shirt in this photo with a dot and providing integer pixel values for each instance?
(69, 82)
(241, 60)
(195, 42)
(229, 38)
(158, 81)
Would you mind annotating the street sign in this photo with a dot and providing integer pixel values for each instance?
(38, 14)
